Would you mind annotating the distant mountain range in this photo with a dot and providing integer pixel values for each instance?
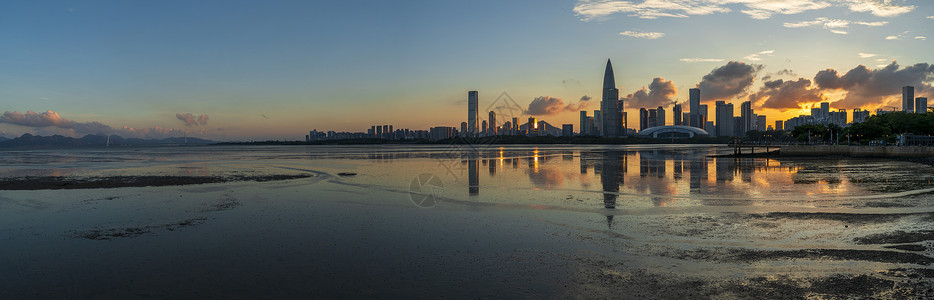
(93, 140)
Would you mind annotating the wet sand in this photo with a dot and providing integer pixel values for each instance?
(304, 231)
(57, 183)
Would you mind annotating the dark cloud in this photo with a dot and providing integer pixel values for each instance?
(547, 106)
(53, 119)
(785, 95)
(585, 98)
(191, 120)
(728, 81)
(864, 86)
(659, 93)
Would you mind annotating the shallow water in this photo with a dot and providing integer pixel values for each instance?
(465, 222)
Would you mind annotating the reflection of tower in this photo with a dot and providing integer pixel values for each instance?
(698, 168)
(610, 177)
(678, 167)
(493, 167)
(724, 168)
(473, 176)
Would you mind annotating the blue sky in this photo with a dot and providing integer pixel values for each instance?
(275, 69)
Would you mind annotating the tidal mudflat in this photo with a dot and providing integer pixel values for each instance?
(461, 222)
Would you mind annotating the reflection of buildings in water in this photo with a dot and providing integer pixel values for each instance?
(677, 167)
(611, 177)
(698, 169)
(724, 168)
(492, 164)
(473, 176)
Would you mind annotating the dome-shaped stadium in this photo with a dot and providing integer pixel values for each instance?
(673, 131)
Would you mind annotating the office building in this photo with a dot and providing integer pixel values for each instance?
(609, 121)
(643, 119)
(746, 112)
(676, 114)
(779, 125)
(760, 123)
(694, 102)
(653, 118)
(597, 123)
(702, 116)
(824, 111)
(660, 111)
(473, 113)
(492, 123)
(908, 98)
(463, 128)
(584, 128)
(723, 114)
(921, 105)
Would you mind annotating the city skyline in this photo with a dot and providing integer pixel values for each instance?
(246, 71)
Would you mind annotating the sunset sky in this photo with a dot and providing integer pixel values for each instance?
(241, 70)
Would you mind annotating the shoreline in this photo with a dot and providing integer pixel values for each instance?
(109, 182)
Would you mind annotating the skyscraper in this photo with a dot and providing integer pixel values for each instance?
(694, 102)
(597, 123)
(921, 105)
(825, 111)
(661, 116)
(760, 122)
(702, 118)
(723, 114)
(492, 122)
(609, 120)
(584, 128)
(676, 114)
(745, 112)
(908, 98)
(643, 119)
(473, 113)
(653, 118)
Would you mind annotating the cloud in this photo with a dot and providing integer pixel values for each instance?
(833, 25)
(892, 37)
(865, 55)
(880, 8)
(728, 81)
(191, 120)
(755, 56)
(921, 38)
(786, 95)
(865, 86)
(53, 119)
(659, 93)
(549, 106)
(589, 10)
(51, 122)
(642, 35)
(931, 17)
(694, 60)
(585, 98)
(264, 116)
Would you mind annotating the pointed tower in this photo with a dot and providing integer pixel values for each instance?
(611, 113)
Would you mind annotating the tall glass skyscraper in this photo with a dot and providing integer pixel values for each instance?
(610, 119)
(473, 113)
